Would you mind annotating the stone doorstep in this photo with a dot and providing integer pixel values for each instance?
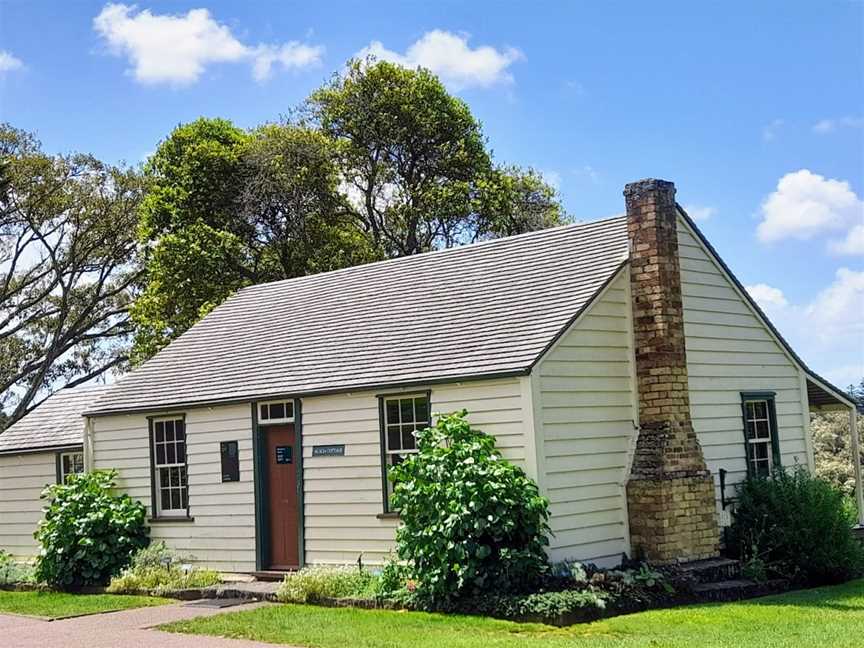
(712, 570)
(738, 590)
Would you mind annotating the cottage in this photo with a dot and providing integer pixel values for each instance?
(40, 449)
(619, 362)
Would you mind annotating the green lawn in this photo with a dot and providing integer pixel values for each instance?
(56, 605)
(830, 616)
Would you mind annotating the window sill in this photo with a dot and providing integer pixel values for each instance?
(392, 515)
(169, 518)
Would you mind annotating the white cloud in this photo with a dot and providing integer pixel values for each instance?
(290, 55)
(772, 130)
(852, 244)
(828, 331)
(700, 212)
(587, 171)
(552, 178)
(450, 57)
(8, 62)
(825, 126)
(806, 204)
(176, 49)
(767, 296)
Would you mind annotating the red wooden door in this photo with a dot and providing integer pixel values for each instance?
(284, 513)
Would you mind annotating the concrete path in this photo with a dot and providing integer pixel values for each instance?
(125, 629)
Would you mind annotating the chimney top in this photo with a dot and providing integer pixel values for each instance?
(648, 185)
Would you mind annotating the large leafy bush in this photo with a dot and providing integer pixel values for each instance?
(88, 533)
(471, 520)
(159, 570)
(796, 526)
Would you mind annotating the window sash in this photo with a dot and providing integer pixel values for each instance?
(71, 463)
(281, 411)
(170, 478)
(760, 434)
(401, 416)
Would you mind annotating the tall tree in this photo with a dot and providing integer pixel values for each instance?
(67, 269)
(225, 209)
(415, 164)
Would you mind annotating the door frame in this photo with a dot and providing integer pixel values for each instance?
(262, 516)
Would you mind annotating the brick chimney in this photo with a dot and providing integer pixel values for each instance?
(670, 492)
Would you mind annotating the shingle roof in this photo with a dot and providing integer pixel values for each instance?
(486, 309)
(55, 423)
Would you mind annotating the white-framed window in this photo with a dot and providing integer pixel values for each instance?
(170, 487)
(281, 411)
(70, 463)
(402, 415)
(759, 434)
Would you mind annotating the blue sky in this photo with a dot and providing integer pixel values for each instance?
(754, 110)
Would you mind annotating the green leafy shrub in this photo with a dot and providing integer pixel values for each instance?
(587, 603)
(394, 581)
(87, 534)
(471, 520)
(12, 572)
(796, 526)
(313, 584)
(158, 570)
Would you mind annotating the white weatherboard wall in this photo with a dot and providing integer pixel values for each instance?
(343, 495)
(222, 534)
(729, 351)
(584, 412)
(22, 478)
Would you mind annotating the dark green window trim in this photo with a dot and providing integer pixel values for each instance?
(153, 508)
(382, 441)
(768, 397)
(169, 519)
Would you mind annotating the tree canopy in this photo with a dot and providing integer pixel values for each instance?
(67, 268)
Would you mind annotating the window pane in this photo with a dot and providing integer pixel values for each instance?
(762, 430)
(277, 411)
(421, 406)
(393, 442)
(170, 453)
(160, 454)
(184, 498)
(175, 498)
(179, 430)
(408, 440)
(182, 476)
(392, 411)
(169, 430)
(406, 409)
(181, 452)
(761, 409)
(289, 409)
(165, 500)
(159, 429)
(67, 464)
(164, 478)
(760, 451)
(265, 412)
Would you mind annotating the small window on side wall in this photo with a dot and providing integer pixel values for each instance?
(760, 433)
(69, 463)
(401, 416)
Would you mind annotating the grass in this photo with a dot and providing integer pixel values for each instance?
(829, 616)
(56, 605)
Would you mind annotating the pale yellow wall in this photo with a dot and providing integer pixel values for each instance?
(730, 350)
(343, 495)
(22, 478)
(223, 532)
(584, 412)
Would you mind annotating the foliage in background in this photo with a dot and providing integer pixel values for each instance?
(12, 572)
(796, 526)
(68, 260)
(471, 520)
(416, 166)
(382, 162)
(227, 208)
(316, 583)
(159, 570)
(88, 533)
(832, 448)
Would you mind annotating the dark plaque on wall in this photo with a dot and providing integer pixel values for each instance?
(328, 451)
(230, 461)
(284, 455)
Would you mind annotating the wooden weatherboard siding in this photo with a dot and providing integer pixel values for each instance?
(343, 494)
(222, 533)
(729, 351)
(584, 415)
(22, 478)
